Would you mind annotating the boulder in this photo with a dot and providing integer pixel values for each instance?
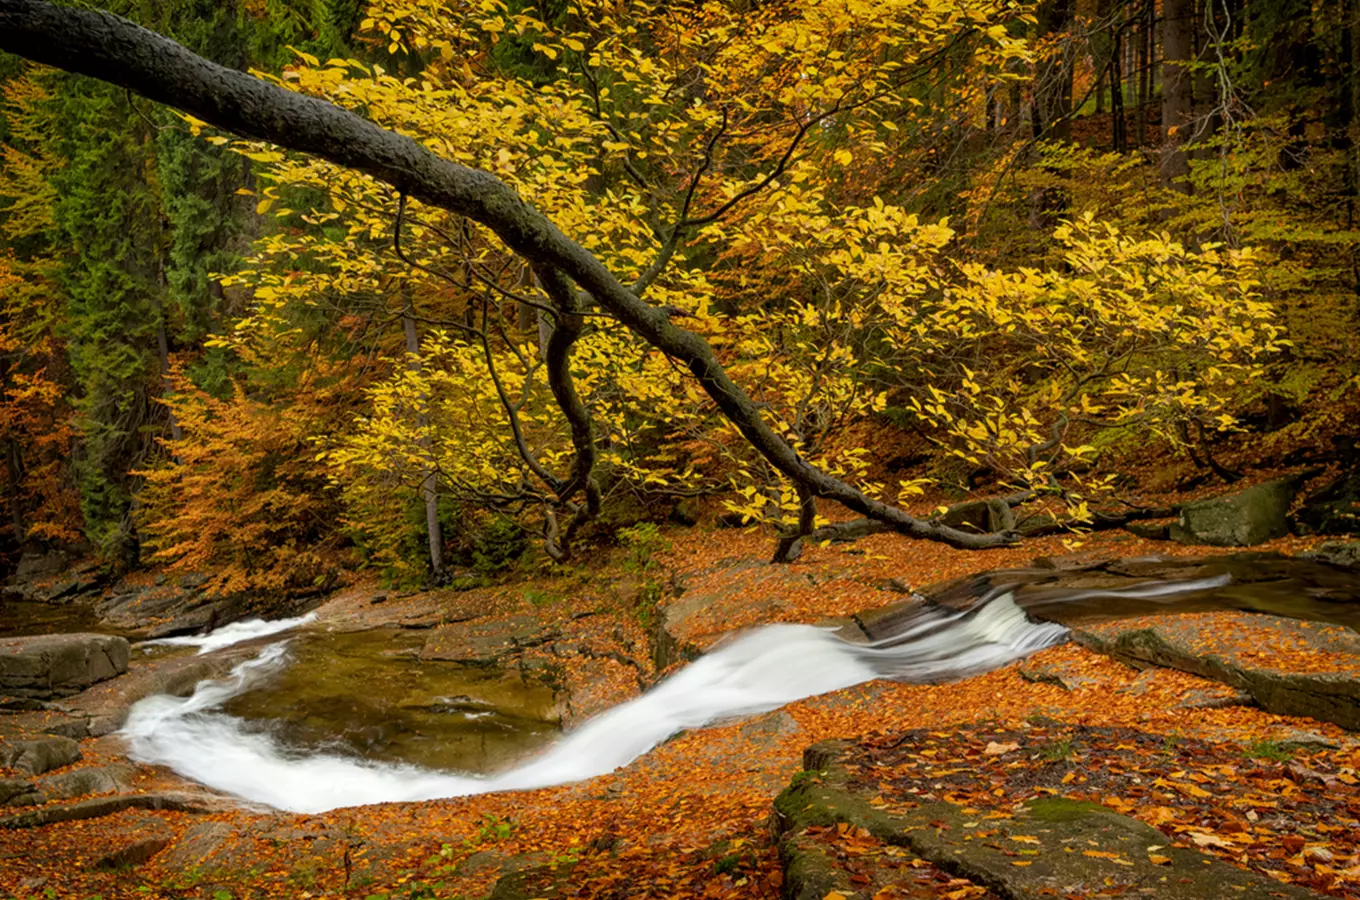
(1253, 516)
(686, 512)
(42, 754)
(167, 608)
(13, 790)
(138, 850)
(80, 782)
(35, 565)
(42, 667)
(1337, 553)
(1335, 509)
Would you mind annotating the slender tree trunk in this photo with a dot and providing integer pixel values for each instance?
(1177, 91)
(163, 348)
(1119, 139)
(428, 487)
(16, 480)
(1053, 84)
(1351, 45)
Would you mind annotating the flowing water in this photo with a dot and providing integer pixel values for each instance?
(760, 670)
(215, 736)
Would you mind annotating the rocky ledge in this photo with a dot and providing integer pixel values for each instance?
(842, 833)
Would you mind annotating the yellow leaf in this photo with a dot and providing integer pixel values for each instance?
(844, 157)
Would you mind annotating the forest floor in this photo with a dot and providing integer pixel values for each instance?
(693, 817)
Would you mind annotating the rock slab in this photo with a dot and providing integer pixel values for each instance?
(1323, 691)
(1046, 831)
(44, 667)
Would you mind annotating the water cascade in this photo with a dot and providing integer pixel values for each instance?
(754, 672)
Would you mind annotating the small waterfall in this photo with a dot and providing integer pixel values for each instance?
(751, 673)
(235, 633)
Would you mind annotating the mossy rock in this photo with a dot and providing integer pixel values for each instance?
(1117, 851)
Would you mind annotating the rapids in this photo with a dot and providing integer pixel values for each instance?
(752, 672)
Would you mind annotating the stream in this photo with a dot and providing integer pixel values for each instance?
(753, 672)
(318, 720)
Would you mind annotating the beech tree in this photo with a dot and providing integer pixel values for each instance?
(736, 296)
(120, 52)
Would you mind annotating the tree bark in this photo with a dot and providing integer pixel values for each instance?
(106, 47)
(429, 493)
(1177, 91)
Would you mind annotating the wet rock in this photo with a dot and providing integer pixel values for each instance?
(827, 795)
(1337, 553)
(39, 755)
(487, 641)
(103, 708)
(1243, 519)
(42, 667)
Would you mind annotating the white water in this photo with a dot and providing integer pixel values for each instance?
(235, 633)
(755, 672)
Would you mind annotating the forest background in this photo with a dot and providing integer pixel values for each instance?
(948, 248)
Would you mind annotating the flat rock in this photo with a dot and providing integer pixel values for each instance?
(1041, 835)
(487, 641)
(45, 666)
(197, 847)
(1288, 667)
(96, 807)
(1062, 675)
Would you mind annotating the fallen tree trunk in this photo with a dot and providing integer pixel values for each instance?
(1099, 521)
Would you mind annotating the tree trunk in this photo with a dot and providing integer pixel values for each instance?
(428, 488)
(1119, 139)
(1053, 88)
(1177, 91)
